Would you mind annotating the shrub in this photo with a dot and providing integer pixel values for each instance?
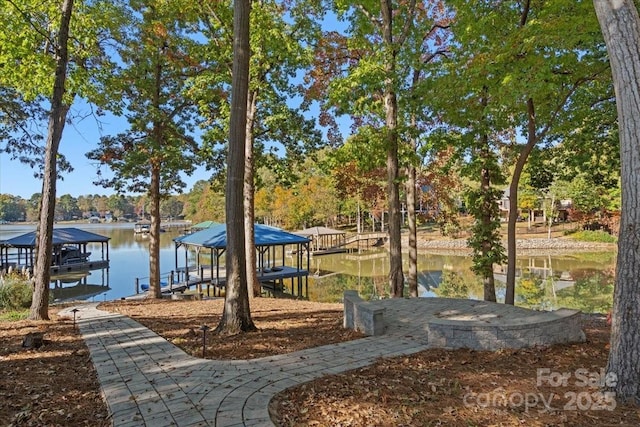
(594, 236)
(13, 316)
(452, 286)
(570, 231)
(15, 291)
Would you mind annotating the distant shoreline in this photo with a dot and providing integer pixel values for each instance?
(426, 242)
(529, 244)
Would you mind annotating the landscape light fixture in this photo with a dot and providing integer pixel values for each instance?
(204, 329)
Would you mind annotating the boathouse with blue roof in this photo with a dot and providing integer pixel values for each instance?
(69, 249)
(282, 258)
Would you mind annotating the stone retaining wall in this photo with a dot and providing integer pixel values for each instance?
(521, 244)
(362, 317)
(542, 329)
(477, 325)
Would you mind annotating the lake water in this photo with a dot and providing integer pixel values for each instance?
(582, 280)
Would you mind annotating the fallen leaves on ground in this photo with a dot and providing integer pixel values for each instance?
(284, 325)
(55, 385)
(466, 388)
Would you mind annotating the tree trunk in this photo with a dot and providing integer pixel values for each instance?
(236, 316)
(358, 219)
(42, 273)
(513, 203)
(488, 280)
(396, 277)
(620, 25)
(551, 215)
(154, 233)
(410, 189)
(249, 192)
(154, 190)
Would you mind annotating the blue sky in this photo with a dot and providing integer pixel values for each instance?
(82, 136)
(79, 137)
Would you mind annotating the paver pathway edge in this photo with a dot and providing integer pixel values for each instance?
(147, 381)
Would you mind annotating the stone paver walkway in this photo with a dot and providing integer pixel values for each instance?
(148, 381)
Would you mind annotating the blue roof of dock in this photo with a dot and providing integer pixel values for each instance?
(216, 237)
(61, 236)
(204, 224)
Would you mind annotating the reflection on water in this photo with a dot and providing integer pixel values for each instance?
(81, 285)
(128, 255)
(576, 280)
(580, 280)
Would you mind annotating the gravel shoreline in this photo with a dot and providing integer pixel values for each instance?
(522, 244)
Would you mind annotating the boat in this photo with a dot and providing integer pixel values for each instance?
(144, 287)
(142, 227)
(71, 255)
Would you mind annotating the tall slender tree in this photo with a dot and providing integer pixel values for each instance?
(390, 43)
(59, 108)
(485, 240)
(58, 43)
(367, 73)
(236, 316)
(475, 129)
(532, 58)
(620, 25)
(49, 51)
(433, 47)
(279, 50)
(157, 52)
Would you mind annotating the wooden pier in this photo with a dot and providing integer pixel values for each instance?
(353, 242)
(370, 239)
(277, 280)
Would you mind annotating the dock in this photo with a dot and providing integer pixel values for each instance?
(210, 282)
(329, 251)
(352, 243)
(345, 244)
(56, 269)
(370, 239)
(69, 251)
(79, 266)
(144, 227)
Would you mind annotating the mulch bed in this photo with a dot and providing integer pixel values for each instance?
(55, 385)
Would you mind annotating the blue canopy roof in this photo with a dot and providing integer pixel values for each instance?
(61, 236)
(204, 224)
(216, 237)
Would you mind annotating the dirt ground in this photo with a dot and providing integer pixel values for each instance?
(55, 385)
